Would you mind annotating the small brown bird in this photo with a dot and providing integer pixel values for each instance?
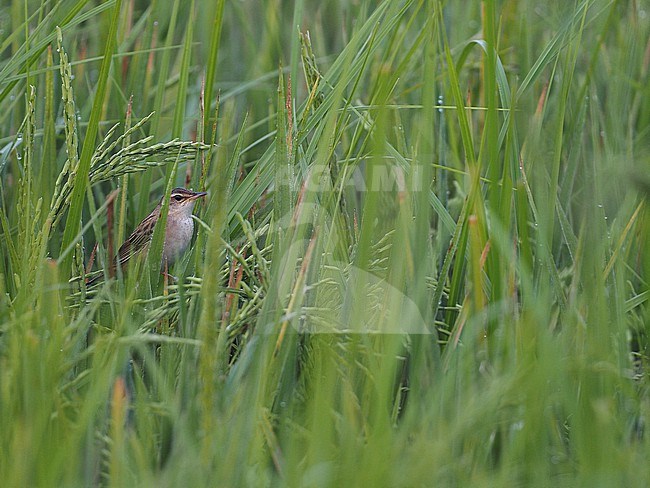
(178, 231)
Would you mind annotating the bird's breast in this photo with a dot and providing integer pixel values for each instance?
(178, 235)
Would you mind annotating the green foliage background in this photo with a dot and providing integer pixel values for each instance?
(422, 262)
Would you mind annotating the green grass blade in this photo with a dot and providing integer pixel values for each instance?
(81, 180)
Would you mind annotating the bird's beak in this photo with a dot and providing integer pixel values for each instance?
(198, 195)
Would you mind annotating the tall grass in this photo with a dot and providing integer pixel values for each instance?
(422, 260)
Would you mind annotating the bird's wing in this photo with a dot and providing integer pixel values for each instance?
(139, 238)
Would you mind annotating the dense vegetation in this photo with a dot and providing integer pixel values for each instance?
(422, 261)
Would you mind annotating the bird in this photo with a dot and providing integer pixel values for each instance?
(178, 231)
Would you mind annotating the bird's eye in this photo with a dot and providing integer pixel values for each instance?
(178, 198)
